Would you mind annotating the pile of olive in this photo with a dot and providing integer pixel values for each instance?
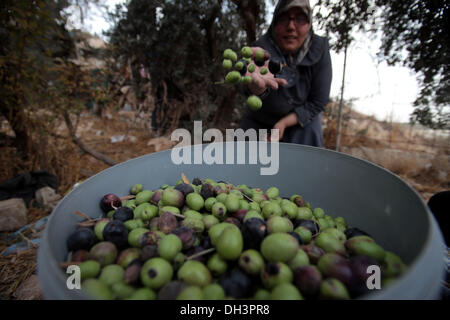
(214, 240)
(237, 69)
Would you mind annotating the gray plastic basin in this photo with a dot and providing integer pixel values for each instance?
(366, 195)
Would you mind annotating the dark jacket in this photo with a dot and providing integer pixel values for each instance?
(306, 94)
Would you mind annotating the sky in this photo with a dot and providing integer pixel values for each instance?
(376, 89)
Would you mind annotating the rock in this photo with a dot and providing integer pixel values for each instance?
(117, 138)
(125, 89)
(161, 143)
(132, 139)
(128, 115)
(47, 197)
(127, 108)
(13, 214)
(29, 289)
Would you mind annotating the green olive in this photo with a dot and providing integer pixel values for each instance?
(254, 103)
(233, 77)
(227, 64)
(246, 52)
(259, 55)
(230, 54)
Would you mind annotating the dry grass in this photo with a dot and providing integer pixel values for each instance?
(420, 159)
(14, 269)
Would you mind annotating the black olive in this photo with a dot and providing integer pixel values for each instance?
(81, 239)
(275, 66)
(253, 231)
(308, 224)
(353, 232)
(236, 284)
(117, 233)
(260, 63)
(243, 70)
(207, 191)
(296, 236)
(184, 188)
(123, 214)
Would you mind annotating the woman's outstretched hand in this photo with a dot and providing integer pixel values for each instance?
(261, 82)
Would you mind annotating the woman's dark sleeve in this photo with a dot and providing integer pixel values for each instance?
(319, 94)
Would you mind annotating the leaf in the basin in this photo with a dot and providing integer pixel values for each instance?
(185, 180)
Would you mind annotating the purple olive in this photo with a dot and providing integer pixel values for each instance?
(104, 252)
(186, 235)
(156, 197)
(133, 273)
(308, 279)
(171, 290)
(299, 201)
(359, 266)
(110, 202)
(80, 256)
(149, 251)
(314, 252)
(240, 214)
(167, 222)
(333, 265)
(234, 221)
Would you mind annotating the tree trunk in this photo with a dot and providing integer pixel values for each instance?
(341, 103)
(17, 121)
(208, 25)
(249, 12)
(225, 109)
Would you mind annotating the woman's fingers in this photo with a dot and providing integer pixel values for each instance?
(256, 49)
(281, 81)
(270, 82)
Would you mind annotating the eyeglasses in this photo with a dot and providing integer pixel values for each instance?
(299, 20)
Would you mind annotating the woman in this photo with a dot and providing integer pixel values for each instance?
(293, 100)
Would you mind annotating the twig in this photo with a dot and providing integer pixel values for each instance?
(178, 215)
(34, 245)
(86, 224)
(78, 213)
(128, 197)
(248, 198)
(65, 265)
(83, 146)
(201, 253)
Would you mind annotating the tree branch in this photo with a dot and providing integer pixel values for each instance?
(82, 146)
